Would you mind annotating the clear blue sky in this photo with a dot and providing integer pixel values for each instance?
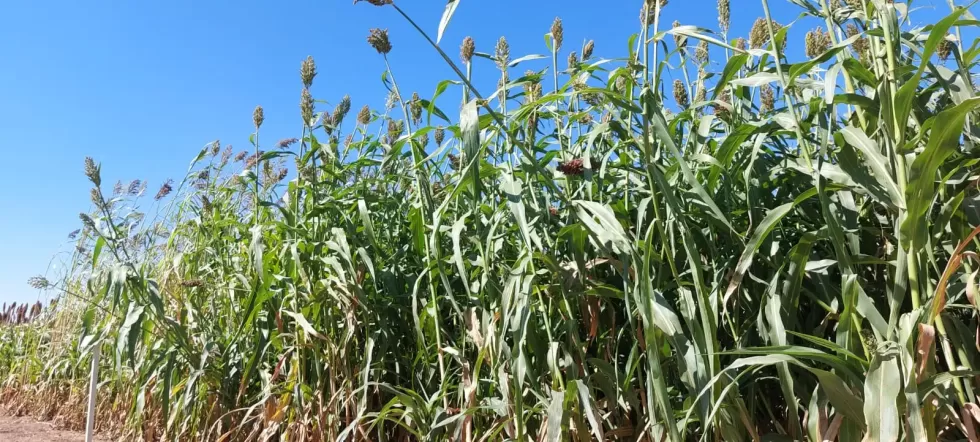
(142, 86)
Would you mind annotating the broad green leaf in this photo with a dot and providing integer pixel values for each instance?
(943, 142)
(881, 390)
(878, 163)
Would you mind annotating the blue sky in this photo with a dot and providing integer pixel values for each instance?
(142, 86)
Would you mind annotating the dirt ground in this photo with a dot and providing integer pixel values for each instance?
(26, 429)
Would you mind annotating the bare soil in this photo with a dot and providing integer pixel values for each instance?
(26, 429)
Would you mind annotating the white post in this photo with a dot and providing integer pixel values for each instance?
(93, 391)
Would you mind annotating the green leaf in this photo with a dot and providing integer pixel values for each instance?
(906, 94)
(447, 15)
(881, 389)
(304, 324)
(921, 190)
(761, 232)
(469, 125)
(878, 163)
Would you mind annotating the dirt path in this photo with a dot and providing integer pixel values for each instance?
(26, 429)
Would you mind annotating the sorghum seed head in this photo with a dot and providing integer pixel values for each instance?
(378, 39)
(348, 140)
(74, 233)
(679, 40)
(134, 187)
(701, 52)
(92, 171)
(191, 283)
(587, 50)
(226, 155)
(286, 142)
(96, 196)
(817, 42)
(680, 94)
(340, 112)
(944, 48)
(501, 54)
(415, 106)
(572, 168)
(467, 49)
(392, 99)
(215, 147)
(364, 115)
(87, 221)
(649, 10)
(281, 174)
(307, 71)
(572, 60)
(38, 282)
(454, 161)
(860, 46)
(767, 99)
(306, 106)
(423, 139)
(724, 15)
(440, 135)
(258, 116)
(557, 33)
(376, 2)
(395, 129)
(165, 190)
(759, 34)
(241, 155)
(741, 44)
(117, 188)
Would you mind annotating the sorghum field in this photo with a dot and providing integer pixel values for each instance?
(595, 250)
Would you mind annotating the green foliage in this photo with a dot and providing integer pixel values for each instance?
(575, 261)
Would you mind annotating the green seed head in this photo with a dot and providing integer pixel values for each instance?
(572, 61)
(944, 48)
(817, 42)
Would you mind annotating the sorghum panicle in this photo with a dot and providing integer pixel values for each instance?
(701, 52)
(466, 50)
(364, 115)
(944, 48)
(92, 171)
(306, 106)
(440, 135)
(680, 94)
(307, 71)
(817, 42)
(572, 60)
(724, 15)
(258, 116)
(679, 40)
(378, 39)
(501, 54)
(572, 168)
(215, 147)
(740, 44)
(415, 107)
(767, 99)
(557, 33)
(165, 190)
(587, 50)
